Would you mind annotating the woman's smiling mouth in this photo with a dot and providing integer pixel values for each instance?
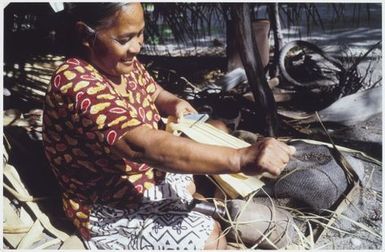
(127, 61)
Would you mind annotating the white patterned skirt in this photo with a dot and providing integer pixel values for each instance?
(163, 221)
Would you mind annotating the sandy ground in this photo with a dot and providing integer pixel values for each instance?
(366, 207)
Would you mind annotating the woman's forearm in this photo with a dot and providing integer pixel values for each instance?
(175, 154)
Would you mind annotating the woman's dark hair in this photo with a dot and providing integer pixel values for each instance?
(92, 14)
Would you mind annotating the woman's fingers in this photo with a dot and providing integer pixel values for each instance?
(183, 108)
(270, 156)
(292, 149)
(286, 148)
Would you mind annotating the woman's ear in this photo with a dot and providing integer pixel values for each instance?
(86, 33)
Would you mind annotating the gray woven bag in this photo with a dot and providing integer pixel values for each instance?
(312, 178)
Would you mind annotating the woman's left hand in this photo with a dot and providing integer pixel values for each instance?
(182, 108)
(171, 105)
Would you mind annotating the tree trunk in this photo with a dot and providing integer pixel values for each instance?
(246, 43)
(232, 54)
(260, 29)
(278, 37)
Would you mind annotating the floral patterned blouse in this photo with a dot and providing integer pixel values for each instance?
(83, 117)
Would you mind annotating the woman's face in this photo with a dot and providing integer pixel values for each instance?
(115, 46)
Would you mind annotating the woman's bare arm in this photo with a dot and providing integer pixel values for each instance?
(170, 153)
(176, 154)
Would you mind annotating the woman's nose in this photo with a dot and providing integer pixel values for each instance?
(135, 46)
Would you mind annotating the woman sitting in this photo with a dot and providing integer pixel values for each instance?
(126, 184)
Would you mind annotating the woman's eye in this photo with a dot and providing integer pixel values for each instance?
(123, 41)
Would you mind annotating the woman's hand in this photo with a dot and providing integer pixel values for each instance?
(171, 105)
(182, 108)
(268, 155)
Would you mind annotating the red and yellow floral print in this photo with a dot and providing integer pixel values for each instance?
(83, 117)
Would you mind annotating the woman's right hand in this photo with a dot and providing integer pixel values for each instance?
(268, 155)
